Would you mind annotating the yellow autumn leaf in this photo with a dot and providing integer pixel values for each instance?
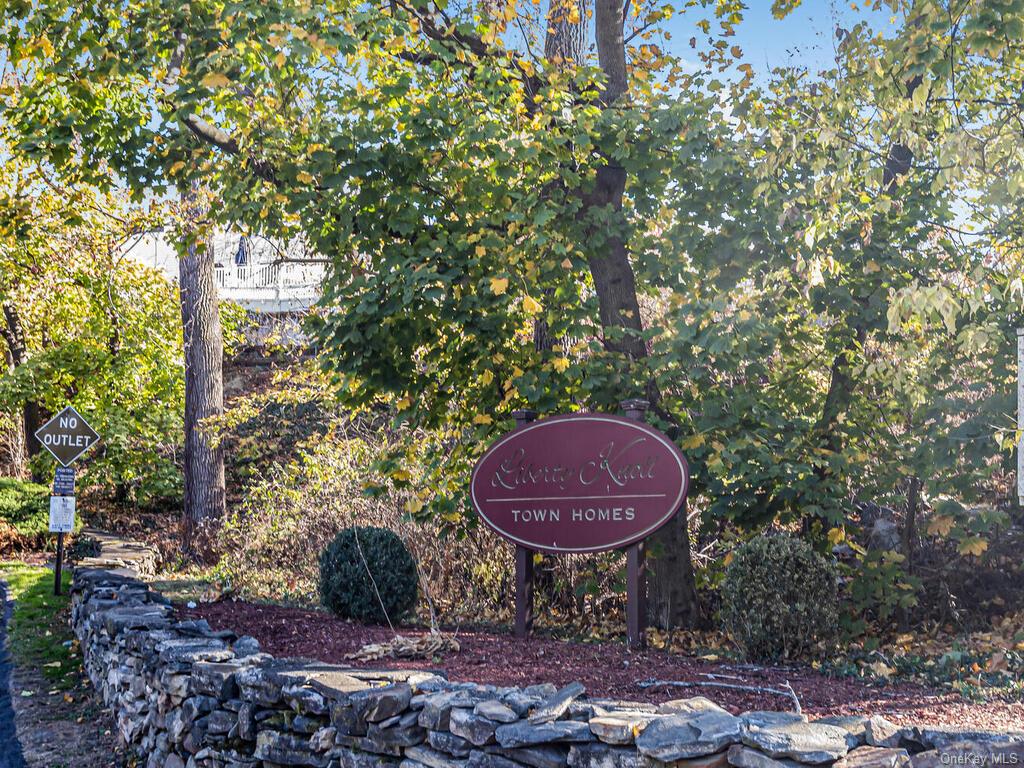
(727, 559)
(482, 418)
(480, 251)
(176, 167)
(486, 377)
(560, 364)
(974, 545)
(404, 403)
(413, 506)
(531, 305)
(836, 535)
(401, 474)
(940, 525)
(566, 263)
(215, 80)
(304, 178)
(499, 285)
(691, 442)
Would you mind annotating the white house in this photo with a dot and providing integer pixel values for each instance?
(260, 275)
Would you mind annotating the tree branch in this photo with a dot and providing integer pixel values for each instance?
(227, 143)
(787, 690)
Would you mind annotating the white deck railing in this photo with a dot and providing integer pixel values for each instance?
(295, 285)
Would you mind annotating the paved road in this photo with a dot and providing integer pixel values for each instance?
(10, 749)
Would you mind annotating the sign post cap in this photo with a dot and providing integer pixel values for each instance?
(523, 416)
(635, 407)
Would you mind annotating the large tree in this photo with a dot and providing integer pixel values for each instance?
(426, 146)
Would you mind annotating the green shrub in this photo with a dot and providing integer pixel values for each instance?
(345, 587)
(25, 507)
(779, 598)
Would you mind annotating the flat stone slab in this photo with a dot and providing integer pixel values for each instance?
(598, 755)
(553, 707)
(804, 742)
(432, 758)
(620, 727)
(928, 737)
(523, 734)
(874, 757)
(376, 704)
(495, 710)
(745, 757)
(476, 729)
(770, 718)
(692, 705)
(854, 725)
(453, 745)
(541, 756)
(879, 732)
(435, 714)
(286, 749)
(681, 737)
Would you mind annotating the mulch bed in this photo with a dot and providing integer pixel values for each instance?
(606, 669)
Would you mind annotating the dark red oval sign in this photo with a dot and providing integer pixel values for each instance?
(580, 483)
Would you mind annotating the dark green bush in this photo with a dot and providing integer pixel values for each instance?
(25, 507)
(779, 598)
(345, 587)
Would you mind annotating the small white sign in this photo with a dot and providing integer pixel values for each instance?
(62, 514)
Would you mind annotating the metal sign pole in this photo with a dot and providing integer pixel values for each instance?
(57, 571)
(62, 502)
(524, 562)
(1020, 415)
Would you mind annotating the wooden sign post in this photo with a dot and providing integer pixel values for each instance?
(636, 561)
(581, 483)
(524, 561)
(67, 436)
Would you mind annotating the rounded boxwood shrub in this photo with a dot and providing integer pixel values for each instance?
(345, 586)
(779, 598)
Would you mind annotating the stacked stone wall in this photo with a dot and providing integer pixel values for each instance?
(185, 696)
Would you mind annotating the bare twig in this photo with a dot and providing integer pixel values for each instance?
(787, 690)
(713, 676)
(373, 581)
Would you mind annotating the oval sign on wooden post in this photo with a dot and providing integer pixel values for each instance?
(580, 483)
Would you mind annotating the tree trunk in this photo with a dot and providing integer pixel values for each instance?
(566, 40)
(908, 536)
(672, 593)
(204, 396)
(32, 414)
(840, 392)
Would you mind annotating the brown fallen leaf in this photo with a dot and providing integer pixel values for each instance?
(997, 663)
